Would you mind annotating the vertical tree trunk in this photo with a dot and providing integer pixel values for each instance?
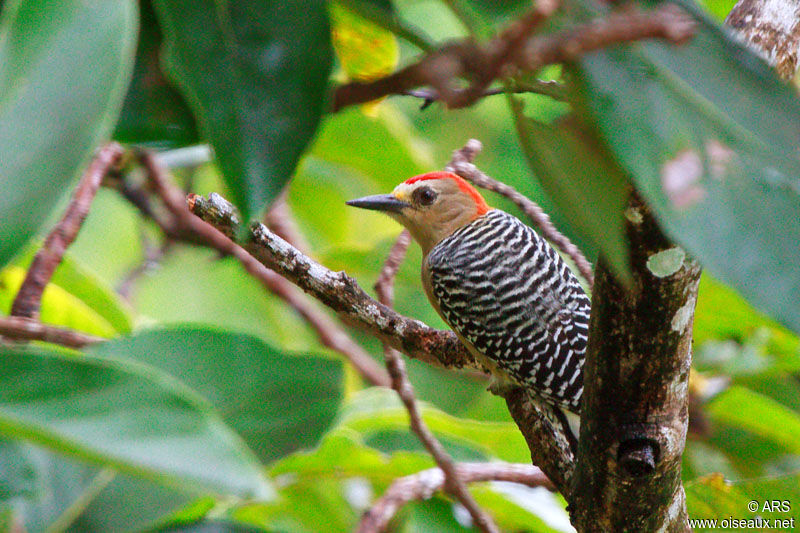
(635, 410)
(634, 416)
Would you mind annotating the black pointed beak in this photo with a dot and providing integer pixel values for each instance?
(380, 202)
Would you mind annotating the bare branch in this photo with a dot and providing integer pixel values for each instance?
(667, 22)
(29, 298)
(440, 348)
(279, 219)
(422, 486)
(21, 328)
(516, 49)
(384, 287)
(550, 88)
(340, 292)
(461, 164)
(184, 223)
(500, 52)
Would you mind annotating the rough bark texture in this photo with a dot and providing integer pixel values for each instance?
(772, 29)
(550, 449)
(635, 411)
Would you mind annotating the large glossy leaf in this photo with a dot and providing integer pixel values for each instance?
(47, 490)
(74, 298)
(582, 179)
(124, 415)
(255, 74)
(377, 411)
(58, 307)
(154, 112)
(723, 314)
(276, 401)
(64, 67)
(710, 136)
(758, 414)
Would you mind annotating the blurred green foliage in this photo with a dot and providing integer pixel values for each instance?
(215, 407)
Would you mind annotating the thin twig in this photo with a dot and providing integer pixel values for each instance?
(423, 485)
(461, 164)
(280, 220)
(550, 88)
(516, 49)
(152, 257)
(341, 294)
(384, 288)
(21, 328)
(338, 291)
(186, 223)
(502, 50)
(29, 297)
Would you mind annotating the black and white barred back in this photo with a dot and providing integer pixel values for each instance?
(504, 289)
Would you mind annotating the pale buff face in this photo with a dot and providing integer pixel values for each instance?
(430, 221)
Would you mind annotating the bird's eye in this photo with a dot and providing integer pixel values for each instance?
(425, 196)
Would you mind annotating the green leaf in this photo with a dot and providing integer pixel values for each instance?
(364, 474)
(375, 410)
(758, 414)
(581, 178)
(276, 401)
(59, 306)
(712, 497)
(433, 516)
(517, 507)
(154, 112)
(111, 509)
(722, 314)
(57, 490)
(212, 526)
(74, 297)
(123, 415)
(64, 67)
(365, 51)
(321, 483)
(255, 74)
(709, 135)
(342, 454)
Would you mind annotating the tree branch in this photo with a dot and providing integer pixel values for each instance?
(29, 297)
(551, 88)
(338, 291)
(423, 485)
(634, 415)
(516, 49)
(549, 447)
(21, 328)
(279, 220)
(771, 29)
(183, 223)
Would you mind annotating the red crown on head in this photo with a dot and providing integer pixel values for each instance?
(480, 203)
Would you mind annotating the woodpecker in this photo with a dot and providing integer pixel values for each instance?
(507, 294)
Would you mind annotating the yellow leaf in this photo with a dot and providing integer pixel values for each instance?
(365, 51)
